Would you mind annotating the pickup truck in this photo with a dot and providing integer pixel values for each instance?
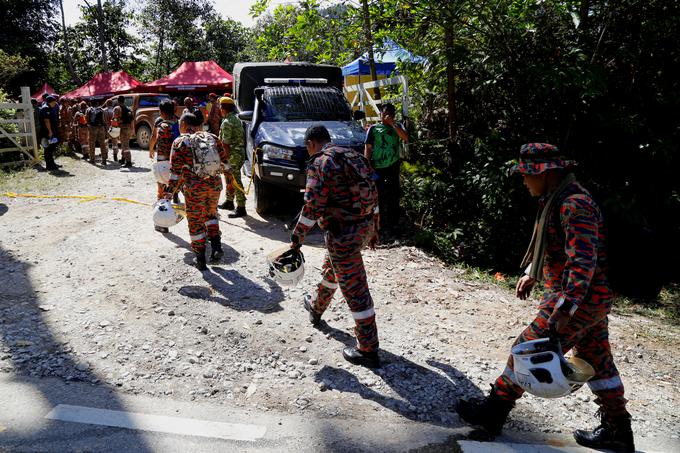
(145, 111)
(277, 102)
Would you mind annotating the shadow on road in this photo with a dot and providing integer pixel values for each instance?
(3, 209)
(29, 348)
(237, 292)
(424, 394)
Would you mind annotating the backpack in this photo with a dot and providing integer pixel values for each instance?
(207, 162)
(125, 114)
(95, 117)
(358, 171)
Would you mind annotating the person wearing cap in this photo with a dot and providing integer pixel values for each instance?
(49, 123)
(201, 193)
(567, 252)
(231, 136)
(214, 115)
(340, 195)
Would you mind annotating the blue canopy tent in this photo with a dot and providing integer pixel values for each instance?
(385, 60)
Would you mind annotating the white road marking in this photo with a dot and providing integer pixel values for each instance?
(469, 446)
(157, 423)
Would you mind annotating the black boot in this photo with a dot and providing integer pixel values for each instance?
(200, 261)
(228, 205)
(490, 413)
(357, 357)
(314, 317)
(239, 212)
(613, 434)
(217, 251)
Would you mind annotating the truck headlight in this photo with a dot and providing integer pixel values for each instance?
(274, 152)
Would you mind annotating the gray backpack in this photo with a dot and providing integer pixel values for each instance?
(207, 162)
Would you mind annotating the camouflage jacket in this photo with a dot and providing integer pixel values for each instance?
(231, 132)
(330, 195)
(575, 257)
(164, 140)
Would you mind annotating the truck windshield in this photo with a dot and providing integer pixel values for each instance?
(305, 103)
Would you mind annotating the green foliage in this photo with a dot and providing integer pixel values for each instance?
(11, 66)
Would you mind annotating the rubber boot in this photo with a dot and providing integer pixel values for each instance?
(239, 212)
(228, 205)
(490, 413)
(200, 261)
(217, 252)
(613, 434)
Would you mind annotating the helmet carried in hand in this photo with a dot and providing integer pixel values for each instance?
(114, 132)
(542, 370)
(286, 266)
(161, 171)
(164, 215)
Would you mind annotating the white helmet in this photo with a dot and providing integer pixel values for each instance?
(161, 171)
(114, 132)
(164, 215)
(542, 370)
(286, 266)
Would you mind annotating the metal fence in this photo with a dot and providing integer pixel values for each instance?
(18, 132)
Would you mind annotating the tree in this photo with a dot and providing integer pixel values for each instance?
(11, 66)
(27, 30)
(67, 49)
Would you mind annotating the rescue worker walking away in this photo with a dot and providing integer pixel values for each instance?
(122, 114)
(342, 198)
(167, 130)
(231, 136)
(97, 132)
(196, 164)
(567, 251)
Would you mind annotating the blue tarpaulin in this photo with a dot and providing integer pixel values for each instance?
(385, 60)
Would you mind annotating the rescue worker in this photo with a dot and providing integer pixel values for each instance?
(64, 120)
(189, 107)
(567, 251)
(231, 136)
(165, 136)
(214, 115)
(49, 125)
(83, 133)
(122, 114)
(201, 194)
(114, 143)
(97, 132)
(341, 197)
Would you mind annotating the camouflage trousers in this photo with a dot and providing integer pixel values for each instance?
(98, 135)
(236, 161)
(343, 267)
(124, 140)
(201, 206)
(588, 334)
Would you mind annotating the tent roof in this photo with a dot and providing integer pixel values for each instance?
(46, 88)
(192, 75)
(385, 60)
(105, 84)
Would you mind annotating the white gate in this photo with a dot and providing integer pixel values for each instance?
(359, 96)
(18, 129)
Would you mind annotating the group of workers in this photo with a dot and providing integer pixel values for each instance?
(348, 192)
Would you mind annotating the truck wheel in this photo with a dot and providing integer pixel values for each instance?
(143, 136)
(264, 196)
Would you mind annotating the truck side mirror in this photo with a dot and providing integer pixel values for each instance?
(259, 92)
(358, 115)
(246, 115)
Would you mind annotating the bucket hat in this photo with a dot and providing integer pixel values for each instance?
(535, 158)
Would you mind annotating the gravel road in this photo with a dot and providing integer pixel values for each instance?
(91, 293)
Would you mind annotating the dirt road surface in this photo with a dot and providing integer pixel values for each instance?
(91, 294)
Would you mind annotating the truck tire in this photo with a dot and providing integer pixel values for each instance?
(143, 136)
(264, 196)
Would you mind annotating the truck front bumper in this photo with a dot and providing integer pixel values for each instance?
(282, 176)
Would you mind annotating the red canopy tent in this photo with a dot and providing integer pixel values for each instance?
(46, 88)
(105, 84)
(192, 76)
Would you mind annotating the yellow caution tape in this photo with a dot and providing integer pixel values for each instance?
(237, 186)
(82, 198)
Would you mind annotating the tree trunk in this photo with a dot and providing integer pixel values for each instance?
(67, 49)
(102, 41)
(450, 85)
(369, 43)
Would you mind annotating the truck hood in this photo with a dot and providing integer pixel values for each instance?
(291, 133)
